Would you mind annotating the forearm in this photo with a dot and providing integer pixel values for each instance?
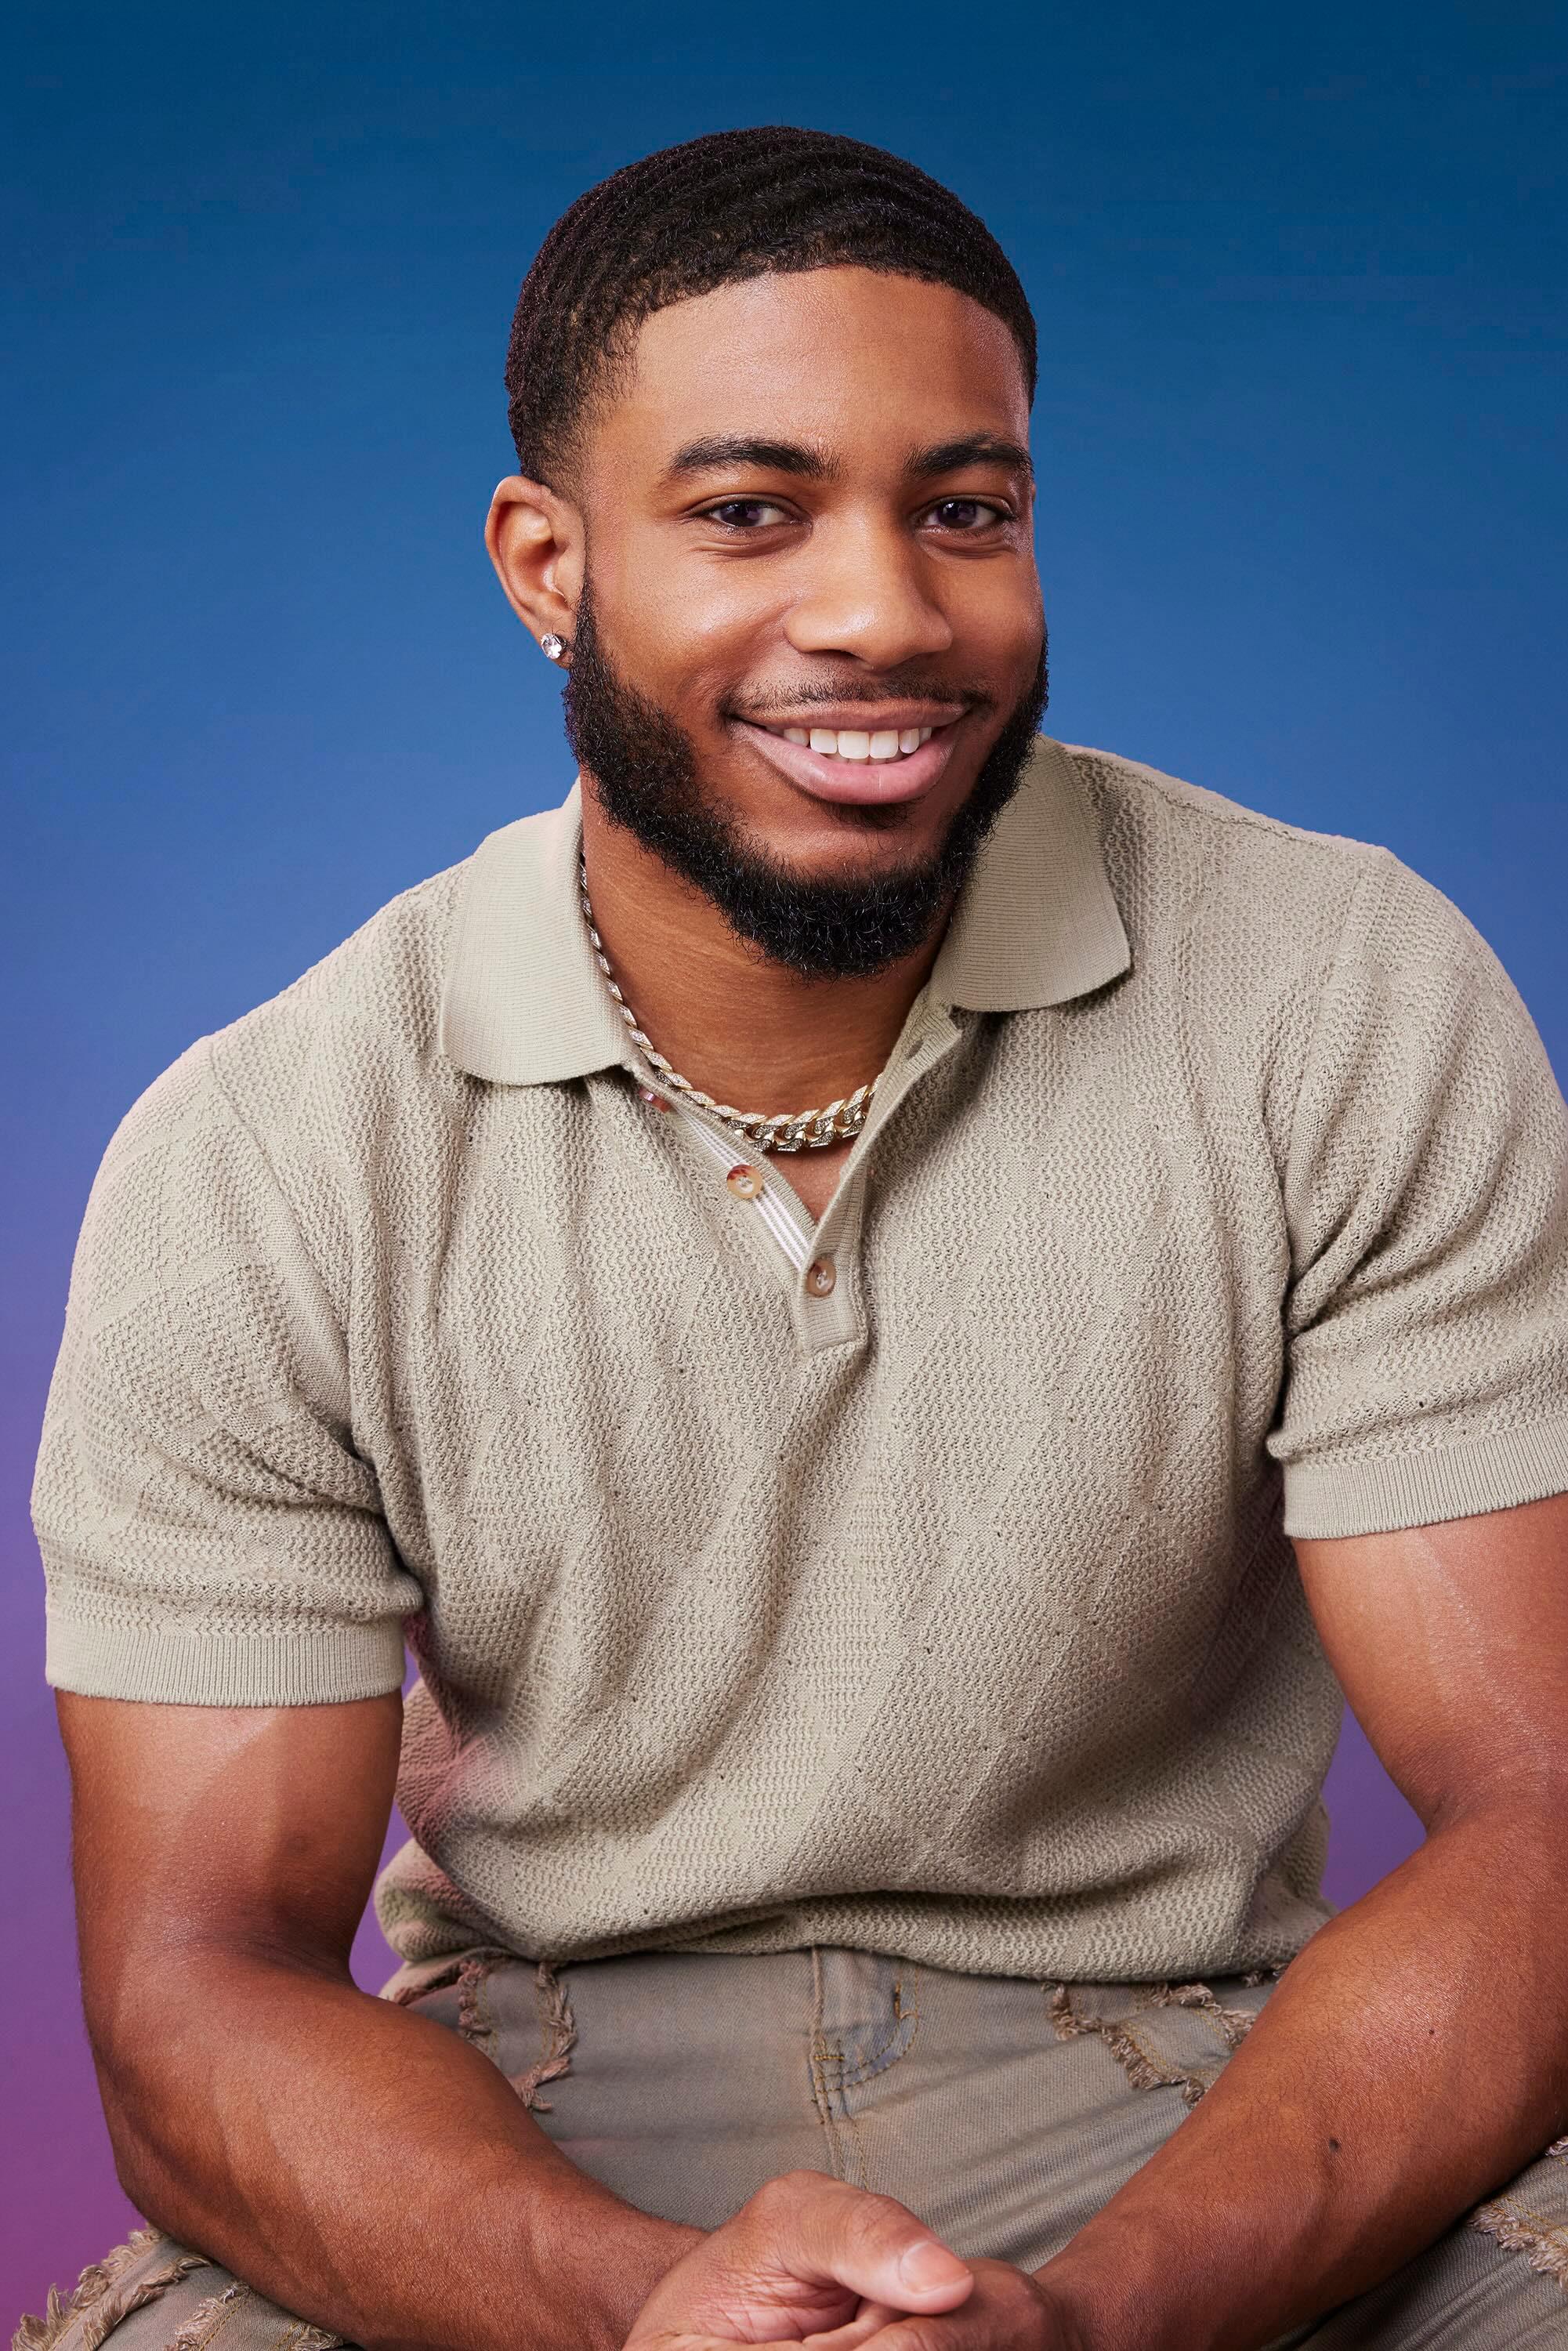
(1412, 2059)
(366, 2168)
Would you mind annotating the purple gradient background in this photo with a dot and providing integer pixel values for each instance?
(1302, 531)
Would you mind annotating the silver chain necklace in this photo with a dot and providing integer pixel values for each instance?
(808, 1129)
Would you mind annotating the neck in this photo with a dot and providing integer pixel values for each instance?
(746, 1031)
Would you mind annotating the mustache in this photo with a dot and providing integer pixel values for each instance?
(822, 693)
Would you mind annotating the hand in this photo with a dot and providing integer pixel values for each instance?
(806, 2259)
(1007, 2309)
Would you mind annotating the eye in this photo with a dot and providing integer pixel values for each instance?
(745, 513)
(968, 515)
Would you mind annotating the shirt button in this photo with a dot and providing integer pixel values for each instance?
(820, 1276)
(654, 1100)
(744, 1182)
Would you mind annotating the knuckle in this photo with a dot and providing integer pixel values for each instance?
(785, 2189)
(881, 2224)
(888, 2212)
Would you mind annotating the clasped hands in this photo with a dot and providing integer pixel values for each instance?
(810, 2260)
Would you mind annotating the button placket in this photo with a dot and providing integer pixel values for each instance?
(768, 1223)
(826, 1306)
(821, 1307)
(814, 1261)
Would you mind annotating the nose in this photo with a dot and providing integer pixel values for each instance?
(865, 592)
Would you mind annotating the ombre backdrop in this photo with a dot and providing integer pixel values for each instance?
(1301, 529)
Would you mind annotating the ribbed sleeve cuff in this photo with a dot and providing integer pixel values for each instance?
(312, 1666)
(1418, 1490)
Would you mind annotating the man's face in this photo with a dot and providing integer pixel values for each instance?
(809, 513)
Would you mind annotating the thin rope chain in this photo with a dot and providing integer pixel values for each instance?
(808, 1129)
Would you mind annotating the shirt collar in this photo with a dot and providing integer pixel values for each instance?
(524, 1001)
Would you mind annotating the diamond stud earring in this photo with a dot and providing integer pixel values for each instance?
(551, 646)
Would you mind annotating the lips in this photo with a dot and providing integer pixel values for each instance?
(862, 783)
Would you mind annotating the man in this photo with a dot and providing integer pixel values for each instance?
(892, 1309)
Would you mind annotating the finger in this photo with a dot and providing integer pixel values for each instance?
(873, 2316)
(867, 2321)
(825, 2229)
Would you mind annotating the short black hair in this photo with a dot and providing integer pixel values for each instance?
(729, 205)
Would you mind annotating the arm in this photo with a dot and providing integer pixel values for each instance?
(359, 2163)
(1416, 2054)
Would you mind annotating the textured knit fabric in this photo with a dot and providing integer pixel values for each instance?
(1217, 1191)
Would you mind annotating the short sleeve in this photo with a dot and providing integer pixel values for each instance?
(1427, 1202)
(209, 1534)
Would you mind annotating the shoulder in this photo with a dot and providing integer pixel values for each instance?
(1294, 899)
(311, 1078)
(324, 1060)
(369, 1010)
(1165, 817)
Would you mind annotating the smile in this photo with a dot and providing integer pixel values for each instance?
(851, 743)
(863, 767)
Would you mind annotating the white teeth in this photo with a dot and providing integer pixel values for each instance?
(853, 743)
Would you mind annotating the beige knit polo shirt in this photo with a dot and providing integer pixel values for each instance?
(1217, 1191)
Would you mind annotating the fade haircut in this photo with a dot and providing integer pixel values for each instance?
(729, 205)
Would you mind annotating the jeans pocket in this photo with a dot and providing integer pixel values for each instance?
(1178, 2036)
(862, 2057)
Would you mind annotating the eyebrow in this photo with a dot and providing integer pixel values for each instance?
(741, 449)
(720, 449)
(973, 449)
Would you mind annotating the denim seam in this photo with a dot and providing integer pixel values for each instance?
(847, 2115)
(827, 2065)
(899, 2042)
(817, 2052)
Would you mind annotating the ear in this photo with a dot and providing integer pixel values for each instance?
(536, 540)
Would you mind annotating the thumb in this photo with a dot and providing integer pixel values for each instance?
(925, 2274)
(878, 2247)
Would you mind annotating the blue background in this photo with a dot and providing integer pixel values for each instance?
(1300, 284)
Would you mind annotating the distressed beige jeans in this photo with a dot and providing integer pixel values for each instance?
(1003, 2110)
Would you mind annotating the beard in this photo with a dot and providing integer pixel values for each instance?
(645, 767)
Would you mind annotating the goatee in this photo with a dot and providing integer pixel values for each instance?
(647, 770)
